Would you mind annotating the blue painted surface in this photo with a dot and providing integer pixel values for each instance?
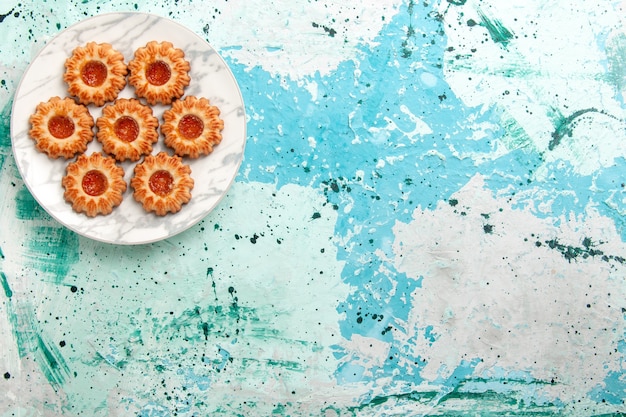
(382, 154)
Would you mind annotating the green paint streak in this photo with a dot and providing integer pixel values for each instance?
(509, 381)
(515, 137)
(53, 250)
(616, 57)
(5, 285)
(110, 360)
(30, 341)
(610, 415)
(51, 362)
(285, 365)
(497, 31)
(484, 403)
(215, 322)
(483, 397)
(514, 67)
(288, 365)
(203, 323)
(466, 399)
(23, 322)
(564, 126)
(5, 133)
(26, 207)
(279, 410)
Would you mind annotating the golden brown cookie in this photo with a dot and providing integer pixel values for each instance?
(95, 73)
(159, 72)
(61, 128)
(162, 183)
(94, 184)
(127, 129)
(192, 127)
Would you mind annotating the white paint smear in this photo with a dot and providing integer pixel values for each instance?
(297, 38)
(499, 297)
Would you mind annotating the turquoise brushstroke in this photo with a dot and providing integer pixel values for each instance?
(5, 133)
(32, 341)
(497, 31)
(26, 207)
(564, 125)
(52, 250)
(5, 285)
(51, 361)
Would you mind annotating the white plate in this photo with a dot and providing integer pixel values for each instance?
(210, 77)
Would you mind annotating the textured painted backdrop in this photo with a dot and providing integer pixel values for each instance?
(429, 220)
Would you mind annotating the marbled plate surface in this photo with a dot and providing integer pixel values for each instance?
(210, 78)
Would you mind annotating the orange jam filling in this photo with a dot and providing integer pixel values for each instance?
(95, 183)
(190, 126)
(126, 128)
(161, 182)
(94, 73)
(158, 73)
(61, 127)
